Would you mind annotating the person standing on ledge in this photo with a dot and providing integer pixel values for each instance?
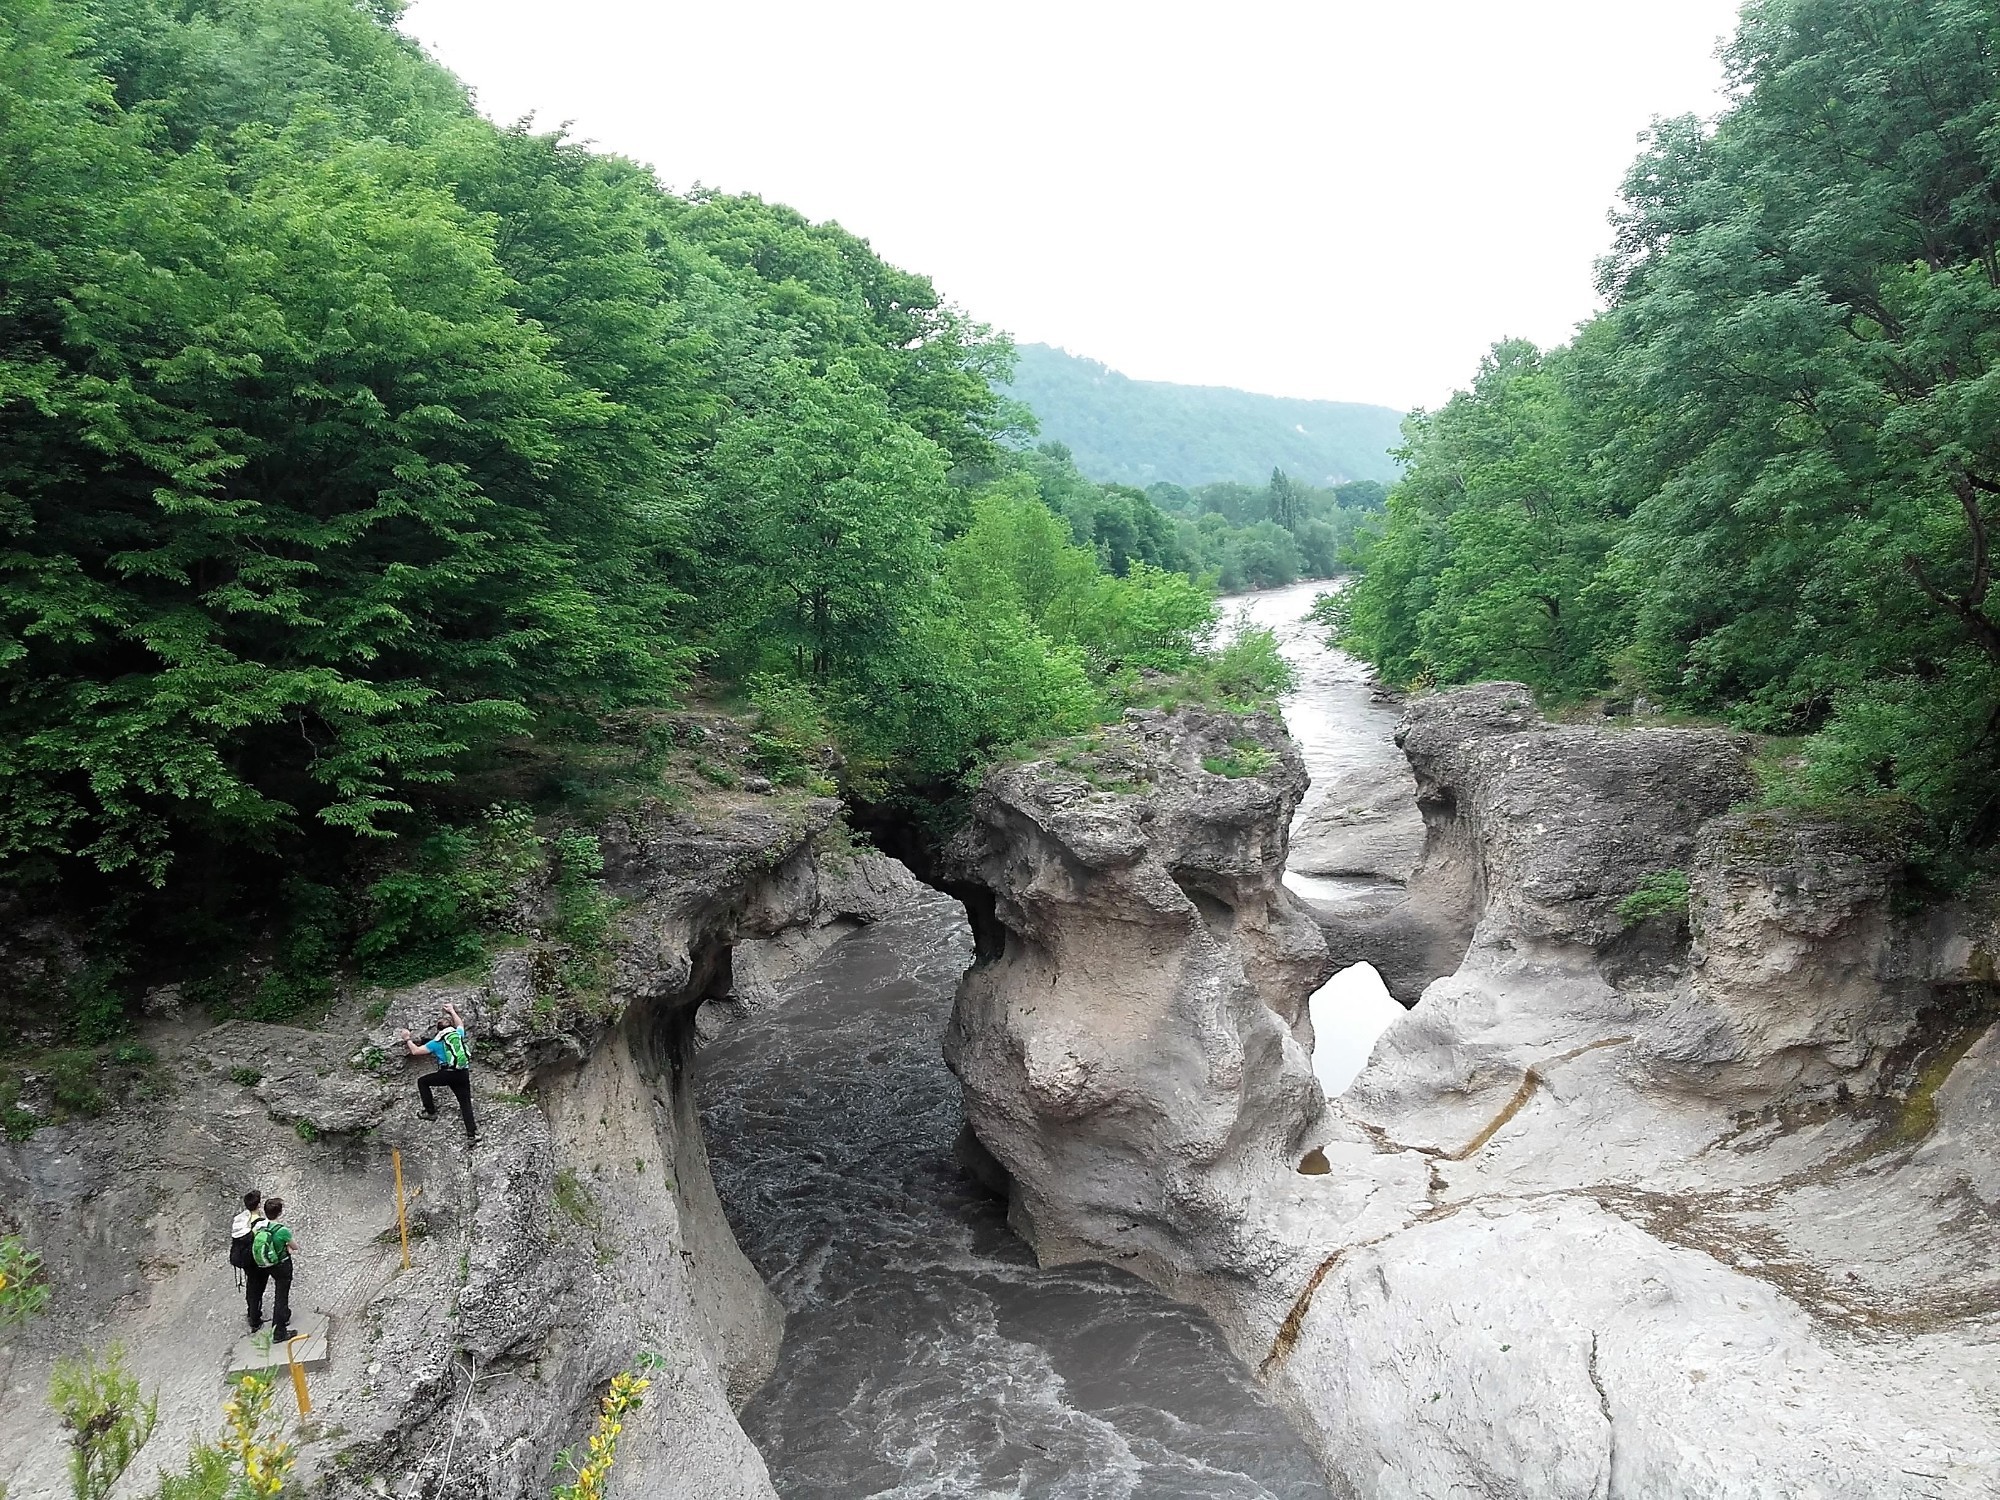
(271, 1259)
(246, 1225)
(453, 1055)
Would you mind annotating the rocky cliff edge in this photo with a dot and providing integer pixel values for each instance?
(1686, 1196)
(581, 1233)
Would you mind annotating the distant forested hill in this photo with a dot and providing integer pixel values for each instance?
(1143, 431)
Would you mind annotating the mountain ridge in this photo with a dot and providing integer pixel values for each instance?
(1128, 431)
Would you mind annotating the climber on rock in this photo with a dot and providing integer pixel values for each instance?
(453, 1055)
(271, 1260)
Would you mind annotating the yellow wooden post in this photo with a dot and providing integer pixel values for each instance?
(402, 1217)
(298, 1374)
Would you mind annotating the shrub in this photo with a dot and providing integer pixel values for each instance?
(1249, 672)
(251, 1461)
(1663, 893)
(16, 1122)
(73, 1082)
(97, 1009)
(791, 730)
(24, 1291)
(107, 1420)
(427, 918)
(587, 1480)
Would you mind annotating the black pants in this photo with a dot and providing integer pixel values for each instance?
(459, 1081)
(281, 1306)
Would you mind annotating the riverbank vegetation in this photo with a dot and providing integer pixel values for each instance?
(1762, 485)
(359, 457)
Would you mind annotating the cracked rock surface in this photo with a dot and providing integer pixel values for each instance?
(1701, 1205)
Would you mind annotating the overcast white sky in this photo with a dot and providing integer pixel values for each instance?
(1306, 197)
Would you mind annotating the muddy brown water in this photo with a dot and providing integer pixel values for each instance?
(925, 1353)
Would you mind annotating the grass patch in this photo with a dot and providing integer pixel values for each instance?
(1245, 758)
(577, 1202)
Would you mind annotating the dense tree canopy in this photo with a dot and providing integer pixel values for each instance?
(345, 437)
(1763, 483)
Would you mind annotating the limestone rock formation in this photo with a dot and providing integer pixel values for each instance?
(581, 1232)
(1629, 1204)
(1133, 1037)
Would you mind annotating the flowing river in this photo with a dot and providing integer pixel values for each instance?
(926, 1355)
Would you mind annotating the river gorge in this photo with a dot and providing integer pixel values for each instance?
(1065, 1185)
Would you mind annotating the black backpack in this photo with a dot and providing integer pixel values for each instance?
(239, 1246)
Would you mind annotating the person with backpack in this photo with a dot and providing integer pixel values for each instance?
(241, 1228)
(271, 1261)
(453, 1055)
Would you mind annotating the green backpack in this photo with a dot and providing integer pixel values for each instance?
(458, 1054)
(264, 1250)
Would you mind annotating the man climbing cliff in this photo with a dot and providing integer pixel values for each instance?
(453, 1055)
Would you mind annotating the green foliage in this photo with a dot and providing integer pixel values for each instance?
(1142, 431)
(430, 916)
(107, 1420)
(348, 437)
(24, 1290)
(362, 462)
(1249, 672)
(17, 1122)
(312, 943)
(583, 910)
(1663, 893)
(1762, 484)
(248, 1077)
(792, 734)
(250, 1461)
(577, 1203)
(97, 1009)
(1245, 758)
(73, 1083)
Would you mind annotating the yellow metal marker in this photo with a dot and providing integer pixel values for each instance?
(402, 1217)
(298, 1374)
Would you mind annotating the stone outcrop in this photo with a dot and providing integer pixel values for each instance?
(1693, 1204)
(582, 1232)
(1133, 1039)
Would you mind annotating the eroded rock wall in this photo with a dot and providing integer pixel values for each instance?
(1625, 1206)
(581, 1233)
(1133, 1046)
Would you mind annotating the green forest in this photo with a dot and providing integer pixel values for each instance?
(1761, 487)
(373, 477)
(1146, 432)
